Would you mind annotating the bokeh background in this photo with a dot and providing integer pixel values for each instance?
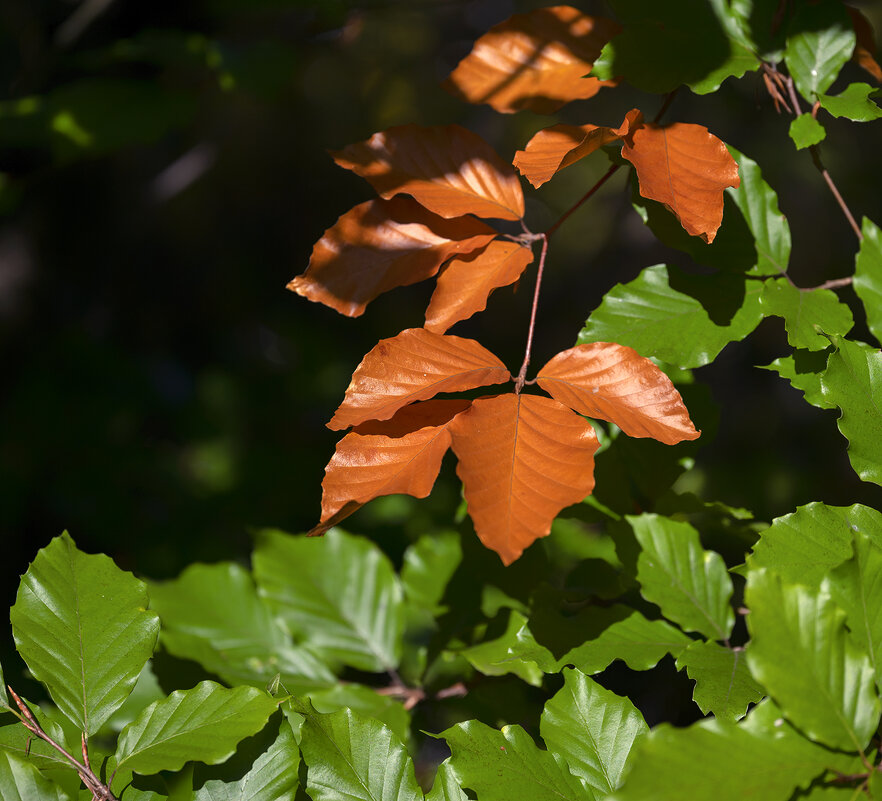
(163, 175)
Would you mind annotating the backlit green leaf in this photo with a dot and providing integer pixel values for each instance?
(81, 625)
(806, 313)
(428, 565)
(868, 275)
(593, 729)
(203, 724)
(853, 103)
(853, 381)
(806, 131)
(803, 369)
(801, 652)
(338, 592)
(494, 657)
(820, 40)
(21, 781)
(723, 684)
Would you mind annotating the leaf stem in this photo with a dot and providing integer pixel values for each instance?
(522, 375)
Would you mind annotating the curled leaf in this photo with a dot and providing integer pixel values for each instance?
(615, 383)
(380, 245)
(559, 146)
(415, 365)
(465, 283)
(536, 61)
(447, 168)
(686, 168)
(522, 458)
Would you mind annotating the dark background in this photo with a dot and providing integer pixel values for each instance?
(163, 175)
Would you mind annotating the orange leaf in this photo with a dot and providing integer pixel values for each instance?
(686, 168)
(522, 458)
(398, 456)
(465, 283)
(613, 382)
(415, 365)
(447, 168)
(380, 245)
(865, 45)
(534, 61)
(554, 148)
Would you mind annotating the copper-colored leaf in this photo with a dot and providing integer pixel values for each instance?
(465, 283)
(615, 383)
(554, 148)
(687, 168)
(522, 458)
(398, 456)
(380, 245)
(865, 45)
(536, 61)
(447, 168)
(415, 365)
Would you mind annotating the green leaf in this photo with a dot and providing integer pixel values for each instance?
(853, 103)
(494, 657)
(446, 786)
(203, 724)
(428, 565)
(659, 321)
(820, 40)
(690, 585)
(273, 777)
(81, 625)
(806, 131)
(803, 369)
(723, 684)
(807, 544)
(366, 702)
(800, 651)
(505, 765)
(145, 692)
(21, 781)
(17, 740)
(868, 275)
(4, 698)
(338, 592)
(806, 313)
(593, 729)
(213, 615)
(853, 381)
(350, 758)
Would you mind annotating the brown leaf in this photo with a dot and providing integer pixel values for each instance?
(465, 283)
(612, 382)
(398, 456)
(380, 245)
(554, 148)
(415, 365)
(522, 458)
(447, 168)
(865, 46)
(534, 61)
(686, 168)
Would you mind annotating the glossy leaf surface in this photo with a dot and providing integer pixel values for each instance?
(723, 685)
(868, 275)
(806, 313)
(822, 40)
(446, 786)
(853, 103)
(21, 781)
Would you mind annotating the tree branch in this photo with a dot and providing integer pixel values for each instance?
(522, 375)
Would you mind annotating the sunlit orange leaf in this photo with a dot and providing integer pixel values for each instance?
(522, 458)
(398, 456)
(380, 245)
(415, 365)
(866, 43)
(447, 168)
(686, 168)
(536, 61)
(615, 383)
(465, 283)
(554, 148)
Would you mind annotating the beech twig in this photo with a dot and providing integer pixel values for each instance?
(522, 375)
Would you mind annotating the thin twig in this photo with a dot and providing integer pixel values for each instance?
(607, 175)
(522, 375)
(833, 283)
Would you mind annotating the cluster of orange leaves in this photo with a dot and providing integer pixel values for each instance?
(522, 457)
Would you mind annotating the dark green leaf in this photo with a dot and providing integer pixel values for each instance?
(495, 658)
(21, 781)
(428, 565)
(868, 275)
(819, 42)
(145, 692)
(853, 381)
(853, 103)
(338, 592)
(446, 786)
(803, 369)
(723, 684)
(806, 313)
(806, 131)
(81, 625)
(800, 651)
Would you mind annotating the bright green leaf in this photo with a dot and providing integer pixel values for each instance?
(659, 321)
(203, 724)
(690, 585)
(338, 592)
(853, 381)
(505, 765)
(803, 369)
(820, 40)
(853, 103)
(145, 692)
(213, 615)
(868, 275)
(446, 786)
(495, 658)
(723, 684)
(428, 565)
(367, 702)
(21, 781)
(593, 729)
(806, 131)
(806, 313)
(17, 740)
(351, 758)
(800, 651)
(81, 625)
